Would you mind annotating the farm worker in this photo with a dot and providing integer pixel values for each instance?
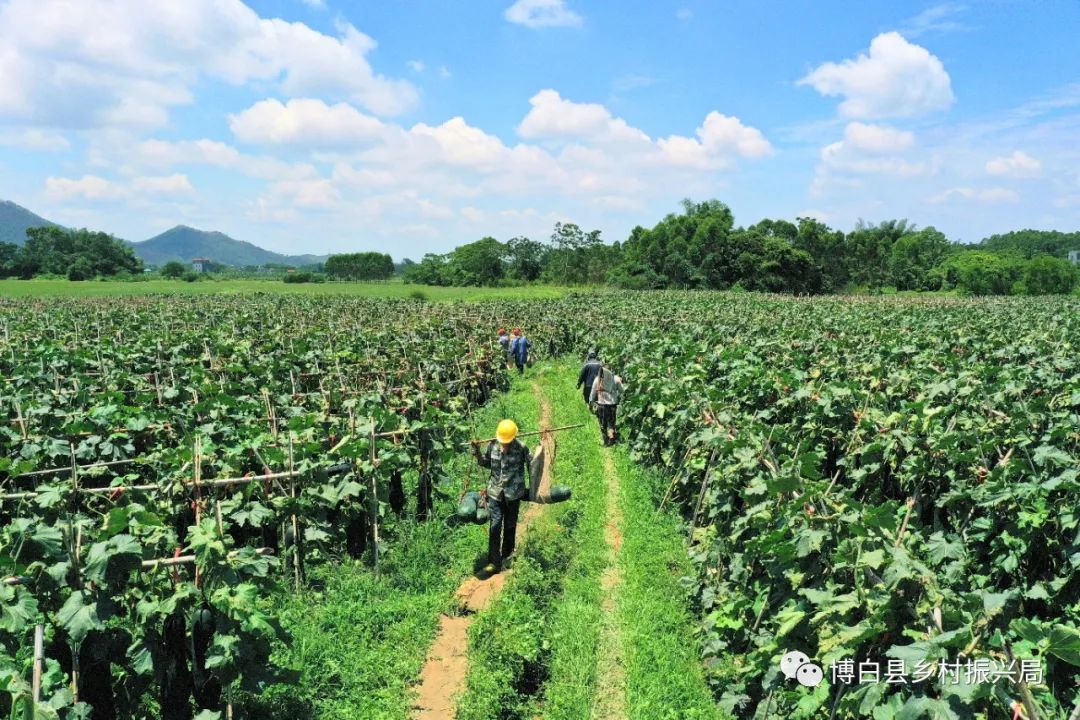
(504, 342)
(606, 393)
(508, 459)
(588, 373)
(519, 348)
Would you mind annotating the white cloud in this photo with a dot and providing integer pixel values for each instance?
(684, 14)
(167, 185)
(542, 13)
(89, 187)
(1067, 201)
(552, 117)
(896, 79)
(416, 66)
(307, 122)
(998, 196)
(318, 193)
(1019, 164)
(870, 150)
(626, 83)
(718, 140)
(35, 139)
(444, 72)
(159, 154)
(316, 4)
(146, 56)
(938, 18)
(877, 138)
(96, 188)
(989, 196)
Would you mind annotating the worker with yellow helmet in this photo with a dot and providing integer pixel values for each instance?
(508, 459)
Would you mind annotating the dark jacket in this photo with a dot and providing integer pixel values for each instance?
(588, 373)
(519, 348)
(508, 470)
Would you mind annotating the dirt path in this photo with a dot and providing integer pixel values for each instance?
(442, 678)
(610, 699)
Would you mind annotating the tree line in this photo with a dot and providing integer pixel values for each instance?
(702, 248)
(76, 254)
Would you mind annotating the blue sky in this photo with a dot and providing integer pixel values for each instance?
(411, 127)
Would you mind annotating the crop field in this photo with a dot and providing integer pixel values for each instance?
(242, 505)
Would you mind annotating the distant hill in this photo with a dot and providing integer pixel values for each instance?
(182, 243)
(185, 243)
(15, 219)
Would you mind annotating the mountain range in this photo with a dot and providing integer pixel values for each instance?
(181, 243)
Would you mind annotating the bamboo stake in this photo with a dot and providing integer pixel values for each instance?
(39, 658)
(374, 503)
(188, 559)
(53, 471)
(294, 521)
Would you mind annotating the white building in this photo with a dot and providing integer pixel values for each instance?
(1074, 256)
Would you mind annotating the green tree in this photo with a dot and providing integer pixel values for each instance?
(80, 270)
(1034, 242)
(9, 258)
(913, 258)
(360, 266)
(976, 272)
(431, 270)
(477, 263)
(173, 269)
(525, 258)
(827, 247)
(54, 249)
(1046, 275)
(570, 258)
(869, 251)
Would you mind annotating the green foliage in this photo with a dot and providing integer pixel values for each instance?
(174, 269)
(525, 259)
(1031, 243)
(914, 256)
(190, 276)
(976, 272)
(1046, 275)
(701, 249)
(360, 266)
(54, 250)
(80, 270)
(9, 256)
(868, 479)
(303, 276)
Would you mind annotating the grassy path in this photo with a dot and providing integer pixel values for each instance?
(594, 624)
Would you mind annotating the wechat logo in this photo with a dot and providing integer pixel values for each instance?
(798, 666)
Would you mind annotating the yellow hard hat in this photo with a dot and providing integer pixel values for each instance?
(507, 431)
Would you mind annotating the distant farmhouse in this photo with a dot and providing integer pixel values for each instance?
(1074, 256)
(200, 264)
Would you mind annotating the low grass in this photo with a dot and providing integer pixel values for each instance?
(111, 288)
(359, 641)
(576, 621)
(664, 677)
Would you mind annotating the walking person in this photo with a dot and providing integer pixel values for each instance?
(606, 393)
(588, 373)
(508, 459)
(519, 348)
